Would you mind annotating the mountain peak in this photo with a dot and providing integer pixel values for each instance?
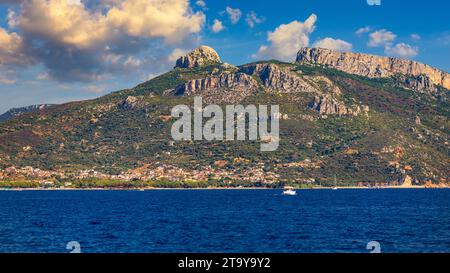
(373, 66)
(199, 57)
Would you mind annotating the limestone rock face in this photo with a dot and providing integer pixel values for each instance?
(375, 66)
(276, 78)
(421, 82)
(225, 80)
(225, 87)
(199, 57)
(326, 105)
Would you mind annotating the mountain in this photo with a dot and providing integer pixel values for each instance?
(368, 120)
(412, 74)
(15, 112)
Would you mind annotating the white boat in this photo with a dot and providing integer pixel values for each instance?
(289, 191)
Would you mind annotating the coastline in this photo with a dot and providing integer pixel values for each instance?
(215, 188)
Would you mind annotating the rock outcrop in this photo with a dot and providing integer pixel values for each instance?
(131, 102)
(222, 81)
(375, 66)
(225, 87)
(199, 57)
(276, 78)
(421, 83)
(326, 105)
(406, 181)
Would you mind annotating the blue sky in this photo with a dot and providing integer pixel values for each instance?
(98, 46)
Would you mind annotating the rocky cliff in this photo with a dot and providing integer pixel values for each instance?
(375, 66)
(225, 87)
(199, 57)
(274, 77)
(225, 80)
(326, 105)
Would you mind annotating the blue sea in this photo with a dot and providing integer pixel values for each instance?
(400, 220)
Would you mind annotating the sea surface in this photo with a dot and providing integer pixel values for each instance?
(400, 220)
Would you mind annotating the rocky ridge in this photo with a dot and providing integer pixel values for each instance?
(327, 105)
(16, 112)
(276, 78)
(422, 76)
(224, 87)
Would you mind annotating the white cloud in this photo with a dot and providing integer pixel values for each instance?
(43, 77)
(402, 50)
(132, 62)
(415, 37)
(363, 30)
(11, 18)
(381, 37)
(234, 14)
(78, 41)
(252, 19)
(334, 44)
(287, 39)
(217, 26)
(70, 22)
(12, 51)
(169, 19)
(176, 54)
(201, 3)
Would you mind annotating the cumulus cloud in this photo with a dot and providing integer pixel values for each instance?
(287, 39)
(253, 19)
(402, 50)
(81, 42)
(234, 14)
(381, 37)
(217, 26)
(385, 38)
(169, 19)
(12, 51)
(334, 44)
(62, 22)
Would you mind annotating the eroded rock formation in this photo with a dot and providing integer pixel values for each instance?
(199, 57)
(276, 78)
(131, 102)
(375, 66)
(326, 105)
